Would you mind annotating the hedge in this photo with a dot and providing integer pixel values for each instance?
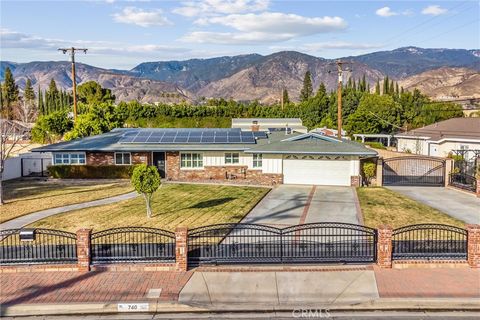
(90, 172)
(376, 145)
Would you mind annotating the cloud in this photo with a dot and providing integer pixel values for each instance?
(213, 7)
(263, 27)
(385, 12)
(140, 17)
(17, 40)
(434, 10)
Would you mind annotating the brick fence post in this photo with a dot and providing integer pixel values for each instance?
(83, 249)
(448, 170)
(181, 249)
(473, 245)
(478, 188)
(379, 176)
(384, 247)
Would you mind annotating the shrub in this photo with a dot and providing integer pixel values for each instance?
(369, 171)
(90, 172)
(376, 145)
(146, 180)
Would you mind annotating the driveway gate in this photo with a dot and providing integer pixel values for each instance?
(414, 171)
(254, 243)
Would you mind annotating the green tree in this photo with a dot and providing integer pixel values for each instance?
(369, 171)
(9, 93)
(307, 89)
(91, 92)
(50, 128)
(377, 87)
(28, 93)
(286, 99)
(146, 180)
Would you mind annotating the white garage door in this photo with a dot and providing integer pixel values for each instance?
(318, 172)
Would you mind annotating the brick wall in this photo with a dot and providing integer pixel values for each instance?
(355, 181)
(209, 173)
(142, 157)
(100, 158)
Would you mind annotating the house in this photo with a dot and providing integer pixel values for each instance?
(269, 124)
(329, 132)
(439, 139)
(254, 157)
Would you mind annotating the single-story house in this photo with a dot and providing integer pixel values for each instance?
(439, 139)
(222, 154)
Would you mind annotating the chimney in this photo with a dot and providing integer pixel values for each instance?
(255, 127)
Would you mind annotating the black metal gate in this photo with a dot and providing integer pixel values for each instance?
(414, 171)
(306, 243)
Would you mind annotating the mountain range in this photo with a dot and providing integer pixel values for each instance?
(253, 76)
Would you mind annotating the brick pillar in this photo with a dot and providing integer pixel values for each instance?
(83, 249)
(379, 176)
(355, 181)
(384, 247)
(448, 170)
(478, 188)
(181, 248)
(473, 245)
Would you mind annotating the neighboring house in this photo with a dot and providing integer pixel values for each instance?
(16, 130)
(439, 139)
(329, 132)
(222, 154)
(269, 124)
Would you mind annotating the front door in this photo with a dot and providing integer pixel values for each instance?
(159, 162)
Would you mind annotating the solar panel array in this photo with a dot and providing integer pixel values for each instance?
(191, 136)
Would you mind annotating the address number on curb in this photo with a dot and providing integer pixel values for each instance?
(132, 307)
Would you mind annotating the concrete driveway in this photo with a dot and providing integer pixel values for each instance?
(457, 204)
(288, 205)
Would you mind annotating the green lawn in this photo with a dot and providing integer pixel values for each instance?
(27, 196)
(381, 206)
(172, 205)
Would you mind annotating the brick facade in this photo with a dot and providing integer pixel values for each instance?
(142, 157)
(181, 248)
(83, 249)
(473, 245)
(384, 247)
(239, 173)
(100, 158)
(355, 181)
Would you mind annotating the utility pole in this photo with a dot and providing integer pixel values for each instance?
(340, 71)
(74, 81)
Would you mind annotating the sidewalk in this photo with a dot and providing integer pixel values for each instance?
(35, 216)
(224, 288)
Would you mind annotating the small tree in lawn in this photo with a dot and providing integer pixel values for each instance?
(146, 180)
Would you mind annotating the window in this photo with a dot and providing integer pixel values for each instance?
(191, 160)
(122, 158)
(69, 158)
(257, 160)
(232, 157)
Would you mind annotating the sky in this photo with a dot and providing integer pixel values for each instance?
(121, 34)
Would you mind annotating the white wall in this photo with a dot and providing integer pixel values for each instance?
(32, 163)
(417, 146)
(354, 167)
(271, 163)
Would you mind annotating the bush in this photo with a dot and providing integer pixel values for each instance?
(90, 172)
(376, 145)
(369, 171)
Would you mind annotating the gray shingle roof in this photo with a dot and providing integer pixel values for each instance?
(456, 128)
(277, 142)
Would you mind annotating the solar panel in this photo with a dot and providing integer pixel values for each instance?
(167, 139)
(260, 134)
(221, 139)
(181, 139)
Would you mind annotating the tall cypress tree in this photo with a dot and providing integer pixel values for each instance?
(377, 87)
(285, 97)
(10, 93)
(28, 93)
(385, 85)
(307, 89)
(41, 106)
(391, 88)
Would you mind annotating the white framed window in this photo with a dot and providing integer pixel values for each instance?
(232, 158)
(69, 158)
(123, 158)
(191, 160)
(257, 160)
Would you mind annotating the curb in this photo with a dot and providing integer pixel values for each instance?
(382, 304)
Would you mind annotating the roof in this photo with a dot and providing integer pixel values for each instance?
(455, 128)
(276, 142)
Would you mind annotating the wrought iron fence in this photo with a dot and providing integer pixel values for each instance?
(414, 171)
(30, 246)
(429, 241)
(133, 244)
(253, 243)
(463, 181)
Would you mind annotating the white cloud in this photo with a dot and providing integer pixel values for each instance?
(264, 27)
(17, 40)
(385, 12)
(434, 10)
(212, 7)
(140, 17)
